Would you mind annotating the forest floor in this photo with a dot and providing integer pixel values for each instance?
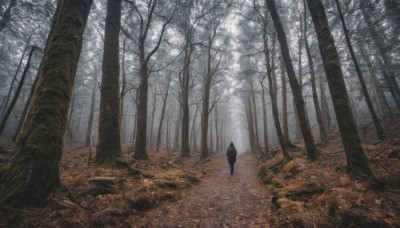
(170, 191)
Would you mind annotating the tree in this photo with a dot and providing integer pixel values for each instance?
(318, 112)
(109, 145)
(312, 151)
(213, 66)
(357, 160)
(34, 171)
(144, 59)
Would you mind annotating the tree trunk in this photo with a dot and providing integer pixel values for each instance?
(18, 91)
(378, 126)
(91, 114)
(357, 160)
(152, 118)
(167, 135)
(141, 124)
(34, 171)
(298, 132)
(284, 104)
(178, 125)
(251, 124)
(256, 141)
(28, 102)
(123, 93)
(312, 152)
(216, 129)
(273, 94)
(109, 146)
(264, 105)
(193, 131)
(185, 152)
(163, 112)
(318, 113)
(206, 110)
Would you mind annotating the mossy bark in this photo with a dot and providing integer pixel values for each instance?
(357, 160)
(312, 151)
(28, 102)
(109, 147)
(34, 171)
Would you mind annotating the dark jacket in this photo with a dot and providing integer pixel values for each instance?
(231, 159)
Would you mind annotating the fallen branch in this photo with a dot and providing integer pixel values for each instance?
(106, 180)
(65, 203)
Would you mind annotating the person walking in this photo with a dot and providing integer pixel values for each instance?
(231, 153)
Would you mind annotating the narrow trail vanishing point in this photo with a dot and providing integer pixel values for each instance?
(219, 201)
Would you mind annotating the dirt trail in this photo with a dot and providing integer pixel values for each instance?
(219, 201)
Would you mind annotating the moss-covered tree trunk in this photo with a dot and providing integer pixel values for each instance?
(109, 145)
(312, 151)
(378, 126)
(28, 102)
(357, 161)
(34, 171)
(318, 113)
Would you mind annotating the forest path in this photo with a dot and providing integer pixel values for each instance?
(222, 200)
